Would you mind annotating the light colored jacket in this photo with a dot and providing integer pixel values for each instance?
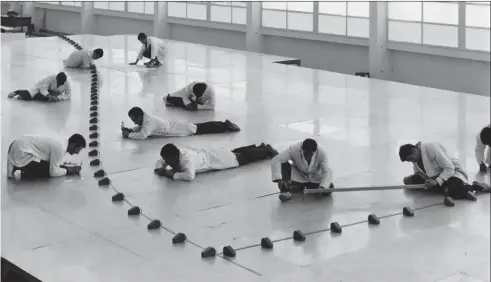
(49, 85)
(158, 127)
(480, 150)
(201, 160)
(36, 148)
(157, 48)
(317, 169)
(438, 163)
(79, 59)
(187, 95)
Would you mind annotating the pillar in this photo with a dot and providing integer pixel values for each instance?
(161, 28)
(378, 54)
(253, 36)
(87, 17)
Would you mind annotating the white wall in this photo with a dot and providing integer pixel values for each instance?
(413, 68)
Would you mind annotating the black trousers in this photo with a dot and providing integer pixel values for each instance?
(457, 188)
(211, 127)
(147, 53)
(26, 95)
(34, 170)
(178, 102)
(249, 154)
(286, 175)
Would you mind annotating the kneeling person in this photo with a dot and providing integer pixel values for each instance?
(184, 164)
(153, 126)
(434, 167)
(309, 169)
(42, 157)
(153, 48)
(482, 150)
(195, 96)
(83, 58)
(53, 88)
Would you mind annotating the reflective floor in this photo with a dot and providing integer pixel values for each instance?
(67, 229)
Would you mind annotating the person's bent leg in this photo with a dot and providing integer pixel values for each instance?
(21, 94)
(241, 149)
(414, 179)
(211, 127)
(35, 170)
(250, 155)
(175, 101)
(457, 188)
(40, 97)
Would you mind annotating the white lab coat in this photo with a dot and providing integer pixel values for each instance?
(158, 127)
(36, 148)
(187, 95)
(438, 163)
(201, 160)
(49, 85)
(483, 152)
(317, 172)
(157, 49)
(79, 59)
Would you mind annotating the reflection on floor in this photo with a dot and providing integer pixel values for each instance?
(68, 229)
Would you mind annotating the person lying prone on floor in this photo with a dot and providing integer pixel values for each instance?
(183, 164)
(53, 88)
(195, 96)
(148, 125)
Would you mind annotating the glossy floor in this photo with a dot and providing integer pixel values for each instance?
(67, 229)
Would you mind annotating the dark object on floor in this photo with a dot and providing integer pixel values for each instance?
(363, 74)
(298, 235)
(134, 211)
(407, 211)
(95, 162)
(104, 182)
(266, 243)
(449, 202)
(93, 153)
(155, 224)
(94, 135)
(93, 144)
(94, 108)
(179, 238)
(208, 252)
(99, 173)
(94, 114)
(336, 228)
(118, 197)
(93, 120)
(228, 251)
(94, 102)
(373, 219)
(12, 273)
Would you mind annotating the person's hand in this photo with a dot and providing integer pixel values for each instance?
(200, 101)
(159, 170)
(482, 167)
(133, 64)
(52, 98)
(126, 134)
(431, 183)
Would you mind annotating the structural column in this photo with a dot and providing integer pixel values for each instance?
(378, 54)
(253, 36)
(161, 28)
(87, 17)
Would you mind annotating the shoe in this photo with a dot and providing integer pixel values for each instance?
(12, 94)
(232, 126)
(273, 153)
(285, 196)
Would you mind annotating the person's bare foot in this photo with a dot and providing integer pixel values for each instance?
(12, 94)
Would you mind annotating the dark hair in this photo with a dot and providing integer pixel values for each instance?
(135, 112)
(142, 36)
(199, 89)
(99, 52)
(309, 145)
(405, 151)
(61, 77)
(78, 140)
(486, 136)
(169, 150)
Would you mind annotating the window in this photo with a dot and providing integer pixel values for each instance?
(477, 26)
(141, 7)
(74, 4)
(431, 23)
(190, 10)
(288, 15)
(113, 6)
(344, 18)
(228, 12)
